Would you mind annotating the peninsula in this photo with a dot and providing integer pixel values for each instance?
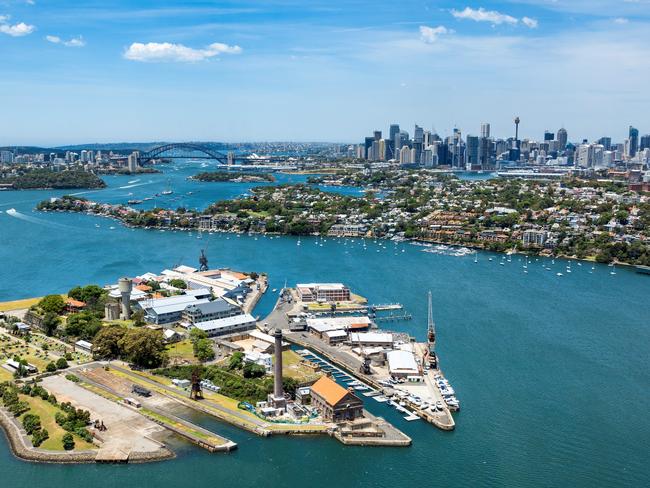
(578, 218)
(234, 177)
(45, 179)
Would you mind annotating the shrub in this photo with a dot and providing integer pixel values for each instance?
(61, 363)
(72, 377)
(39, 437)
(51, 367)
(31, 423)
(68, 442)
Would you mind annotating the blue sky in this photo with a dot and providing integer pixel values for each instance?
(111, 70)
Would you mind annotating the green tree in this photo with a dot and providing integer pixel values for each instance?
(61, 363)
(31, 423)
(52, 304)
(138, 318)
(236, 360)
(202, 345)
(143, 347)
(83, 324)
(51, 367)
(178, 283)
(51, 322)
(68, 442)
(253, 370)
(107, 342)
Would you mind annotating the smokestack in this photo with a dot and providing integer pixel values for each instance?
(125, 286)
(277, 380)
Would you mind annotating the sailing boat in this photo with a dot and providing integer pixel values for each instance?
(168, 191)
(613, 271)
(475, 256)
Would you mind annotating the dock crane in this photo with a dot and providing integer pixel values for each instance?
(431, 356)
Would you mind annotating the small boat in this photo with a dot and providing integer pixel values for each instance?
(166, 192)
(274, 290)
(613, 271)
(134, 202)
(559, 274)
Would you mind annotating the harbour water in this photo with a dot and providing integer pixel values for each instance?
(552, 371)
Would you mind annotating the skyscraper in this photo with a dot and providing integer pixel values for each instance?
(391, 142)
(485, 130)
(548, 135)
(645, 142)
(562, 138)
(418, 142)
(634, 141)
(606, 142)
(471, 152)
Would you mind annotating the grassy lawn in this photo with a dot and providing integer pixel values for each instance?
(5, 375)
(216, 441)
(181, 351)
(46, 411)
(18, 304)
(221, 400)
(292, 367)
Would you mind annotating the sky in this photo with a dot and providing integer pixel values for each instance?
(75, 71)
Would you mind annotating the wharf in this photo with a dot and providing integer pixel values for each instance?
(441, 419)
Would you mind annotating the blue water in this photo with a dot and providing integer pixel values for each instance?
(552, 372)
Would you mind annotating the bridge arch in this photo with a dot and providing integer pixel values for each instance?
(187, 147)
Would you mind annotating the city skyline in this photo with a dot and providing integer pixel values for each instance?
(254, 71)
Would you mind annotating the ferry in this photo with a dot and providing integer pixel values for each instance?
(134, 202)
(166, 192)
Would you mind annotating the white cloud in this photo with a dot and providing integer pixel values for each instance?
(482, 15)
(74, 42)
(16, 30)
(528, 22)
(431, 34)
(621, 20)
(492, 16)
(169, 52)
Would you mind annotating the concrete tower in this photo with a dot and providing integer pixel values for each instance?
(517, 131)
(125, 286)
(277, 399)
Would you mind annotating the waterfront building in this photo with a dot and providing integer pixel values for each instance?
(402, 364)
(206, 311)
(229, 325)
(534, 238)
(335, 403)
(168, 310)
(323, 292)
(371, 339)
(132, 162)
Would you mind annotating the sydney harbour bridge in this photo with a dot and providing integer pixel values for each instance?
(189, 150)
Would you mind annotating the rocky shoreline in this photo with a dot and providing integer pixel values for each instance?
(22, 448)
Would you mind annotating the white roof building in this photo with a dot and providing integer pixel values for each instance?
(372, 338)
(227, 325)
(402, 364)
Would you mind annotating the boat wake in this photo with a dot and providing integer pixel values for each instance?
(448, 250)
(12, 212)
(135, 184)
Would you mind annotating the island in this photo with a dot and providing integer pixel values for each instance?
(233, 177)
(98, 374)
(45, 179)
(575, 218)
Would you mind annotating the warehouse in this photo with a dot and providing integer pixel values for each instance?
(402, 364)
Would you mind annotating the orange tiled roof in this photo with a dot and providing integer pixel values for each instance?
(75, 303)
(145, 288)
(329, 390)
